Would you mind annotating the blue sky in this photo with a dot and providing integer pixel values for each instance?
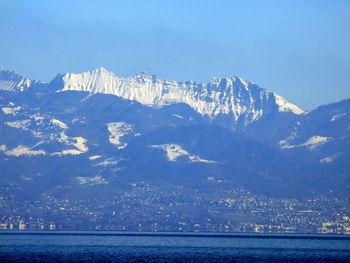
(299, 49)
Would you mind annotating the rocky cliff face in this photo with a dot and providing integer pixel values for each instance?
(231, 96)
(11, 81)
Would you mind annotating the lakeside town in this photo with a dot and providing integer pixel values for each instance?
(149, 208)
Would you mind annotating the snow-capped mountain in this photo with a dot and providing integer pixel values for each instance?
(11, 81)
(228, 96)
(231, 95)
(97, 128)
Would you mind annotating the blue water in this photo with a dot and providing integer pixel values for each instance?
(133, 247)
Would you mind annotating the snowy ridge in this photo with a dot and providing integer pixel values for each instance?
(243, 100)
(11, 81)
(286, 106)
(231, 95)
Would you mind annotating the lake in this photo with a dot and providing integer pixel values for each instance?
(171, 247)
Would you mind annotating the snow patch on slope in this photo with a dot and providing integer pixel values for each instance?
(11, 110)
(174, 151)
(94, 157)
(117, 130)
(43, 126)
(177, 116)
(338, 116)
(20, 124)
(68, 152)
(107, 162)
(59, 123)
(311, 143)
(22, 150)
(331, 158)
(78, 142)
(91, 180)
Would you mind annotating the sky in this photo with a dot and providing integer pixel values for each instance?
(297, 48)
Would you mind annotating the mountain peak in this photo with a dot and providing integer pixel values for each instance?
(100, 70)
(12, 81)
(145, 75)
(9, 73)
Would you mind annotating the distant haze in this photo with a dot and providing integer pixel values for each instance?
(299, 49)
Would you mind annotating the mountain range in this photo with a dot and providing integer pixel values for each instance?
(90, 133)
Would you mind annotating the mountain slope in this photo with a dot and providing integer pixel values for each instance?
(94, 129)
(323, 137)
